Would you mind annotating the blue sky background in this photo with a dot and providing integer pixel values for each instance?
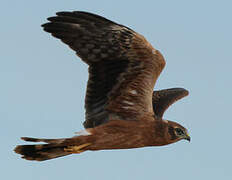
(43, 86)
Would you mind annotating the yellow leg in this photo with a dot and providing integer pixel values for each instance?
(76, 149)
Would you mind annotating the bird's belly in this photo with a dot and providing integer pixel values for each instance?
(118, 142)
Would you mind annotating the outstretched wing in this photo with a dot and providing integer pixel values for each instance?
(123, 66)
(164, 98)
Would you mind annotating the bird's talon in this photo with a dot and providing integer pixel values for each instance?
(76, 149)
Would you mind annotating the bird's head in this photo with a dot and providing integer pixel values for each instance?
(177, 132)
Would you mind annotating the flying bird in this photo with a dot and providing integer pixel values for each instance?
(122, 110)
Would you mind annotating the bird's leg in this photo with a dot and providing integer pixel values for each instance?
(76, 149)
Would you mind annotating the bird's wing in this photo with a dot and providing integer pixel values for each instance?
(164, 98)
(123, 66)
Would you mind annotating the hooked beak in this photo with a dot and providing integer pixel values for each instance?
(188, 138)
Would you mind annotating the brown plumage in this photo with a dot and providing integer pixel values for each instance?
(122, 111)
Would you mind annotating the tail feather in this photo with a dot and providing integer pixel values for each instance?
(42, 140)
(42, 152)
(30, 152)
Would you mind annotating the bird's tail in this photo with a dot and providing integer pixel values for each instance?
(53, 148)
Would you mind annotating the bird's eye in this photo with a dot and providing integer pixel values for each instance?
(179, 131)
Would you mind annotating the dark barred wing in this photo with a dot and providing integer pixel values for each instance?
(164, 98)
(123, 66)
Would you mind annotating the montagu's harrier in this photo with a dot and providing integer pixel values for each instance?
(122, 110)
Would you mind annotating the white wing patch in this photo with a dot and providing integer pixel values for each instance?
(83, 133)
(126, 107)
(128, 102)
(133, 92)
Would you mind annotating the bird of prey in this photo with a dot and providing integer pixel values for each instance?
(122, 110)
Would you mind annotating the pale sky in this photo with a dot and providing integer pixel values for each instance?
(43, 86)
